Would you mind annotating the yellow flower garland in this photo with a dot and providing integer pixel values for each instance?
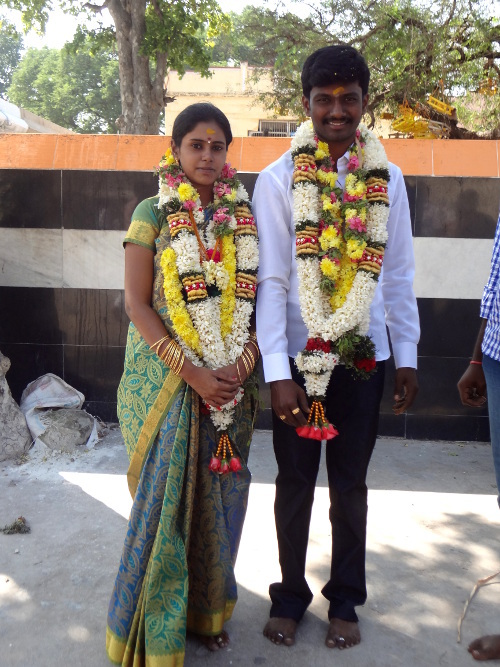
(228, 298)
(177, 310)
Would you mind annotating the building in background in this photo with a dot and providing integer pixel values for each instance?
(233, 90)
(14, 120)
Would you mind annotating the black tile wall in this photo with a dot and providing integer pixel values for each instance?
(95, 370)
(104, 199)
(448, 427)
(448, 327)
(30, 198)
(438, 394)
(31, 315)
(457, 207)
(94, 317)
(411, 189)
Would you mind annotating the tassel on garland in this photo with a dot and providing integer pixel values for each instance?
(219, 462)
(317, 427)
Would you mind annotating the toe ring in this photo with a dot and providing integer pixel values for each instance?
(280, 636)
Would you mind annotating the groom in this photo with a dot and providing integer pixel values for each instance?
(335, 95)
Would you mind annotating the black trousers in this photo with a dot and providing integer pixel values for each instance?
(352, 405)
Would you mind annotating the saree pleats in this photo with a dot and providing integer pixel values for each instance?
(177, 567)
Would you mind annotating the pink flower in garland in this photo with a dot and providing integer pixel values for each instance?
(235, 464)
(349, 198)
(214, 464)
(228, 171)
(222, 189)
(357, 225)
(189, 205)
(353, 163)
(220, 216)
(173, 181)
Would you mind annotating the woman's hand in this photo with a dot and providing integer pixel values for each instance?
(216, 387)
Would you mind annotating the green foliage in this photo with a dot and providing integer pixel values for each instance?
(178, 34)
(236, 46)
(11, 44)
(78, 89)
(185, 33)
(413, 49)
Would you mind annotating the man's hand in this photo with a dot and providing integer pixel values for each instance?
(472, 386)
(405, 389)
(290, 401)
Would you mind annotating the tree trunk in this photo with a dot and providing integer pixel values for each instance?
(141, 98)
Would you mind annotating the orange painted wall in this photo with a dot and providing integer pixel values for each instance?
(142, 153)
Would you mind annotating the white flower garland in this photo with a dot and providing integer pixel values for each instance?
(214, 349)
(322, 320)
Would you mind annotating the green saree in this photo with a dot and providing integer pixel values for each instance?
(177, 568)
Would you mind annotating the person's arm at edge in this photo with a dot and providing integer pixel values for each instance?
(472, 384)
(271, 209)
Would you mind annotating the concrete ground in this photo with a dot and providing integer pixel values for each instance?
(433, 531)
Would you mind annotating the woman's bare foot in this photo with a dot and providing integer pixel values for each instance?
(281, 630)
(342, 634)
(215, 642)
(485, 648)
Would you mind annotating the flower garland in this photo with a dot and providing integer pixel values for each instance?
(340, 242)
(209, 278)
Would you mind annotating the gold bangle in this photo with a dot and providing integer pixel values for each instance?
(167, 352)
(245, 363)
(253, 341)
(249, 357)
(249, 352)
(156, 346)
(238, 372)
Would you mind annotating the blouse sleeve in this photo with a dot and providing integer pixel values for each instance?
(145, 226)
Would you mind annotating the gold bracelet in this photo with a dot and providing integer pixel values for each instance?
(156, 346)
(245, 363)
(249, 357)
(167, 352)
(250, 354)
(238, 372)
(253, 341)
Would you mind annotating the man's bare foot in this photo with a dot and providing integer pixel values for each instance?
(281, 630)
(342, 634)
(485, 648)
(215, 642)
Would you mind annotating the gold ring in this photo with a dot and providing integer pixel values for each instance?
(296, 411)
(282, 417)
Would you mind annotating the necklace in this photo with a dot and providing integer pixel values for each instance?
(210, 292)
(340, 242)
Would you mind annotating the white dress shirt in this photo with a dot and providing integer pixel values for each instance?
(281, 330)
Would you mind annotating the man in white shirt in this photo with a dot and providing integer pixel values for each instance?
(335, 86)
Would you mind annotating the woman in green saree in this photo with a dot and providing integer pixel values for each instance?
(184, 401)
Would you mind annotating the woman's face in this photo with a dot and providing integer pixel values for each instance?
(202, 154)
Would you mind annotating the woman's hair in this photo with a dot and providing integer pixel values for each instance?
(201, 112)
(339, 62)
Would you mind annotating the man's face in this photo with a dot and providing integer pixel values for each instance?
(336, 111)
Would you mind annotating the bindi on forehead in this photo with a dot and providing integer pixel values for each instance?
(210, 131)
